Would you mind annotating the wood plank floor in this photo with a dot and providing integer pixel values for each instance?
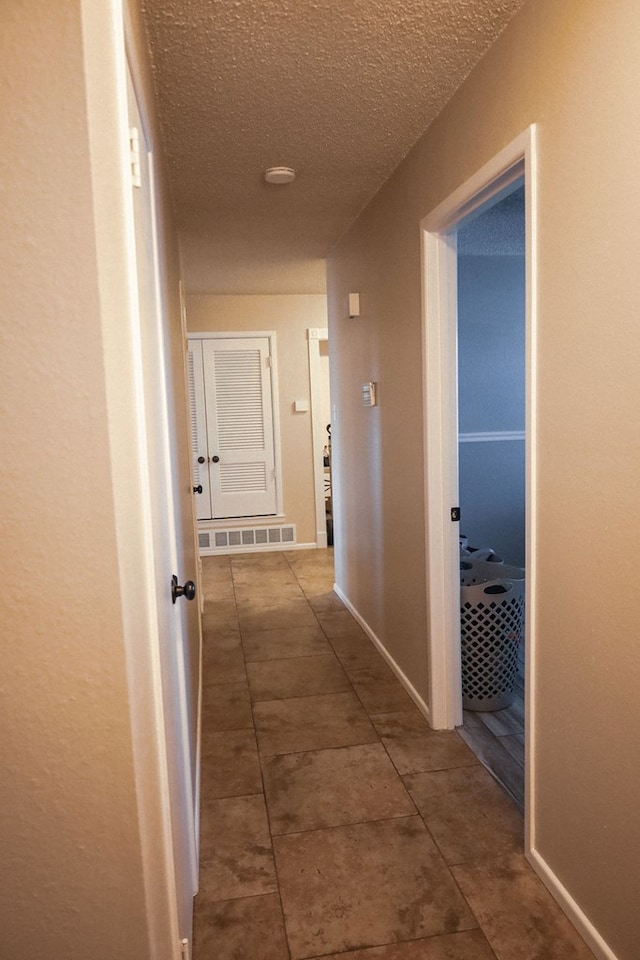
(497, 739)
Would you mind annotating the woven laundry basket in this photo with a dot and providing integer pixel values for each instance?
(491, 628)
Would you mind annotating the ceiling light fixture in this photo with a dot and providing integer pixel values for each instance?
(280, 175)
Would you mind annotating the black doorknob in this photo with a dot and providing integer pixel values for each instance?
(188, 590)
(215, 459)
(200, 459)
(198, 489)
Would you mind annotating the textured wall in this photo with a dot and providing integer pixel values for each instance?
(69, 817)
(491, 350)
(573, 68)
(86, 850)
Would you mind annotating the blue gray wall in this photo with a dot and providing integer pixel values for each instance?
(491, 385)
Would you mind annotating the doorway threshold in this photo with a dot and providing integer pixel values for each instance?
(497, 739)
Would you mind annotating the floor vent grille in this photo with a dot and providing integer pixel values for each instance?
(246, 538)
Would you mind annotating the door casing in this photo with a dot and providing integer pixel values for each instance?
(439, 312)
(315, 336)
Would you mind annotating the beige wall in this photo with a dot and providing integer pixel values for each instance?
(572, 67)
(290, 316)
(72, 844)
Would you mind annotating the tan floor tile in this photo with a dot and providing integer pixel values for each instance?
(319, 591)
(284, 643)
(415, 748)
(311, 723)
(215, 591)
(250, 928)
(268, 589)
(261, 582)
(226, 706)
(379, 692)
(304, 559)
(470, 945)
(467, 812)
(356, 651)
(296, 677)
(272, 614)
(339, 623)
(217, 610)
(235, 849)
(216, 629)
(216, 570)
(516, 912)
(364, 663)
(222, 660)
(364, 885)
(247, 568)
(327, 788)
(230, 765)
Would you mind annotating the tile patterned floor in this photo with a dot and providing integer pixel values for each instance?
(335, 823)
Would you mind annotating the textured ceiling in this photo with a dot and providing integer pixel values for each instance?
(338, 89)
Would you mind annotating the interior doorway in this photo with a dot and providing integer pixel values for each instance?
(319, 381)
(491, 483)
(494, 181)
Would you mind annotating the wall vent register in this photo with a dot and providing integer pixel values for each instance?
(210, 541)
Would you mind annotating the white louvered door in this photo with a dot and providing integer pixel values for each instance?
(240, 455)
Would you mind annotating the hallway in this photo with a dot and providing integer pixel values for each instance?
(334, 821)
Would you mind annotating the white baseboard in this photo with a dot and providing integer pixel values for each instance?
(384, 653)
(262, 548)
(578, 918)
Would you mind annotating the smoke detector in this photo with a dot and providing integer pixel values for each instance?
(280, 175)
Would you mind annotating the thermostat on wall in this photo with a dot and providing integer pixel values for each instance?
(369, 394)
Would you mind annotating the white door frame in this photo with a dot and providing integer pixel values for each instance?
(168, 634)
(106, 32)
(441, 427)
(318, 430)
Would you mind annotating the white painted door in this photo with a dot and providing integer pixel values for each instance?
(171, 635)
(237, 470)
(198, 426)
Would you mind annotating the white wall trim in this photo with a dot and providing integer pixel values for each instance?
(318, 429)
(382, 650)
(263, 548)
(577, 916)
(492, 436)
(440, 407)
(494, 180)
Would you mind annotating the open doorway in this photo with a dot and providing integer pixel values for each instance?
(497, 179)
(491, 483)
(318, 341)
